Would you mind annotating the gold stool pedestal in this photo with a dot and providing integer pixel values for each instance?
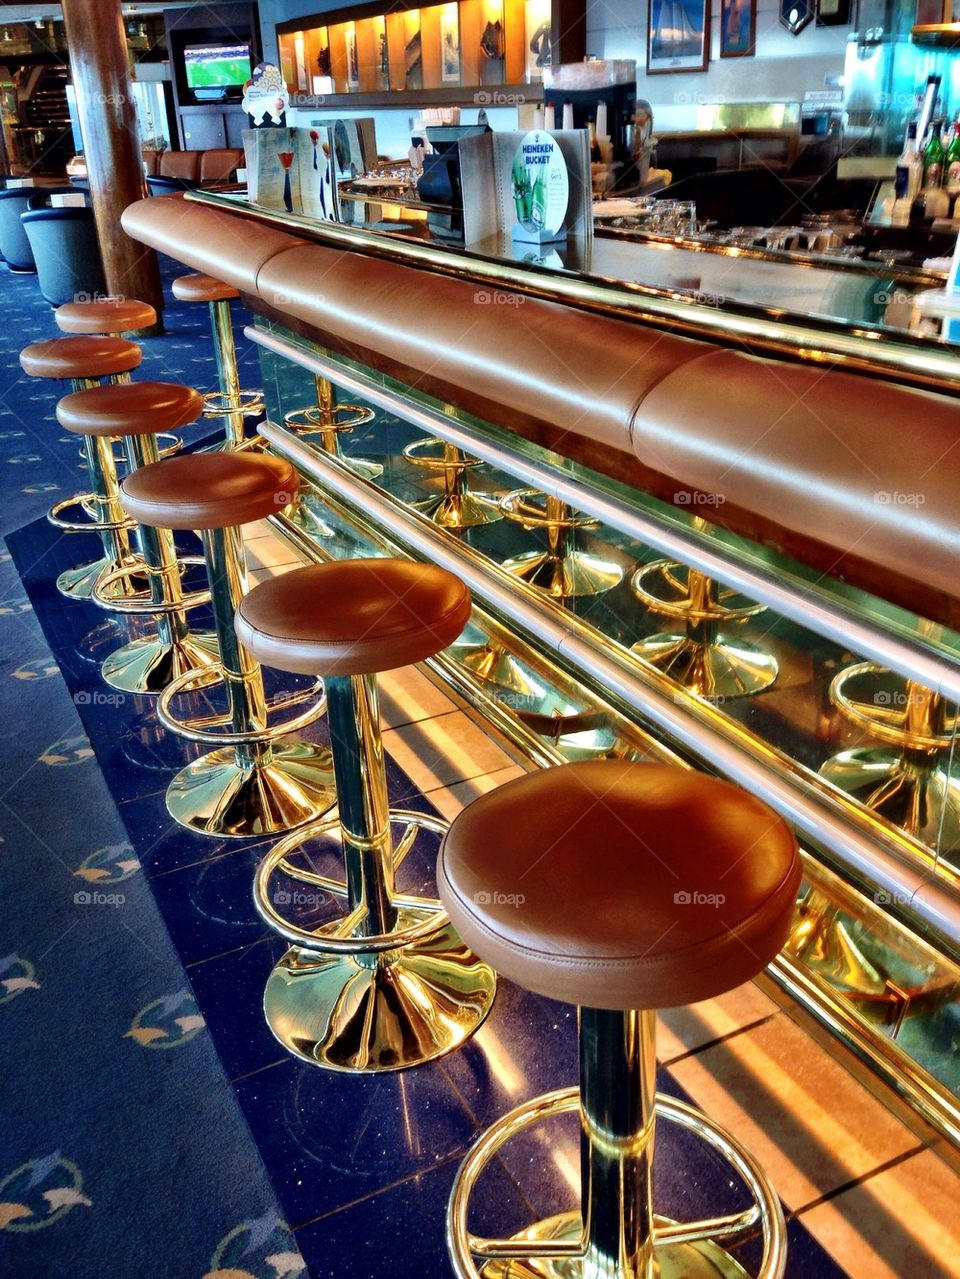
(907, 780)
(330, 420)
(702, 1260)
(457, 507)
(390, 984)
(705, 658)
(562, 570)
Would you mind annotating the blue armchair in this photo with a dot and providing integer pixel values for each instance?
(67, 253)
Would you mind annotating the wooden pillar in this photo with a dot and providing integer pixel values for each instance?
(108, 121)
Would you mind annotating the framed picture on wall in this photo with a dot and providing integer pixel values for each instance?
(738, 28)
(678, 36)
(450, 44)
(833, 13)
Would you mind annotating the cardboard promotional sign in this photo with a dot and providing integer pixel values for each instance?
(294, 170)
(541, 189)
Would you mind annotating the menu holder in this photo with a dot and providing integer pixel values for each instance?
(496, 198)
(293, 169)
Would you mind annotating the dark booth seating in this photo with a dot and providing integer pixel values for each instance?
(66, 252)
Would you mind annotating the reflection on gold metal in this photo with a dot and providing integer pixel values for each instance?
(149, 663)
(908, 780)
(230, 402)
(562, 570)
(458, 506)
(390, 984)
(704, 659)
(330, 420)
(616, 1234)
(105, 516)
(254, 784)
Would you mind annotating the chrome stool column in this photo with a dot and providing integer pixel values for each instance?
(137, 413)
(908, 778)
(229, 402)
(562, 570)
(527, 891)
(84, 361)
(704, 658)
(261, 779)
(390, 984)
(458, 506)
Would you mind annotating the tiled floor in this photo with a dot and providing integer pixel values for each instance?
(881, 1202)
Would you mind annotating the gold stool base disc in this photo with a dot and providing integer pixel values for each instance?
(466, 511)
(494, 665)
(723, 668)
(925, 802)
(367, 1015)
(361, 466)
(78, 583)
(575, 575)
(703, 1260)
(304, 516)
(217, 796)
(148, 665)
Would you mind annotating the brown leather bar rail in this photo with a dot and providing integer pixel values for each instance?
(854, 477)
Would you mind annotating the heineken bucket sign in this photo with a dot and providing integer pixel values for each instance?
(541, 189)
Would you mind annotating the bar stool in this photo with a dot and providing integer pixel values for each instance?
(907, 779)
(458, 506)
(137, 413)
(105, 315)
(252, 784)
(331, 420)
(562, 570)
(229, 402)
(390, 984)
(83, 361)
(704, 657)
(694, 894)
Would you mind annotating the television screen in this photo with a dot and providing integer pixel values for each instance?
(213, 67)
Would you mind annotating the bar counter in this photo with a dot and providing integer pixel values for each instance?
(677, 551)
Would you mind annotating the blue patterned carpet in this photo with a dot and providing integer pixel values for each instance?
(151, 1125)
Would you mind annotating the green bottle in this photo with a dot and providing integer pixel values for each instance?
(933, 158)
(539, 207)
(951, 163)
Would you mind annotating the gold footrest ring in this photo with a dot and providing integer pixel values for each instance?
(141, 603)
(206, 728)
(217, 404)
(882, 706)
(345, 417)
(329, 939)
(417, 454)
(551, 1241)
(86, 503)
(519, 507)
(677, 603)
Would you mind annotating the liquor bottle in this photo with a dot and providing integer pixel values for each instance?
(933, 158)
(909, 173)
(951, 165)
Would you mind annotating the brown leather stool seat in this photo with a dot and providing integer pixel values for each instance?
(622, 888)
(135, 408)
(216, 490)
(262, 778)
(421, 990)
(358, 617)
(81, 357)
(106, 315)
(203, 288)
(693, 893)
